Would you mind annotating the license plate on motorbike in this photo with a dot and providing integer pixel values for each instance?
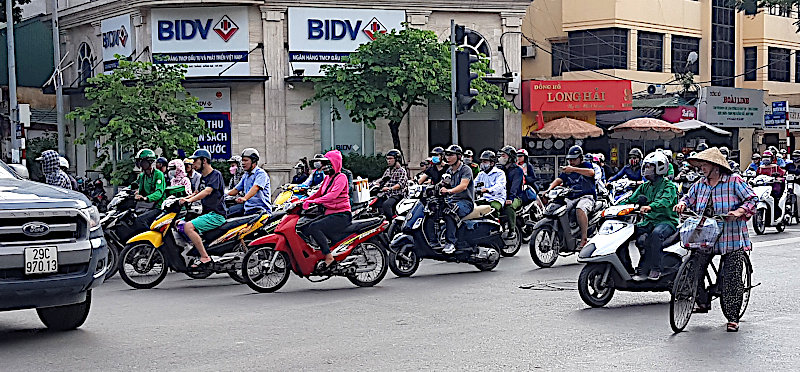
(41, 260)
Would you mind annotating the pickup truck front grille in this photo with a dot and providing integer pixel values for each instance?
(18, 274)
(63, 225)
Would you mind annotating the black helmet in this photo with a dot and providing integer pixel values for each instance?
(161, 161)
(635, 153)
(756, 156)
(454, 149)
(396, 154)
(251, 153)
(509, 150)
(438, 150)
(575, 152)
(201, 154)
(488, 155)
(701, 147)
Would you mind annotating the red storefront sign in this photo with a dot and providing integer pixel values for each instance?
(577, 95)
(679, 114)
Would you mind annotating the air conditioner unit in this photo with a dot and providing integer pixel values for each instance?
(528, 51)
(656, 89)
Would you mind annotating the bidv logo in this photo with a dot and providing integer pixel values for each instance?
(35, 228)
(115, 38)
(336, 29)
(188, 29)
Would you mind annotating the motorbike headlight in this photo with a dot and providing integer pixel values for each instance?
(93, 216)
(610, 227)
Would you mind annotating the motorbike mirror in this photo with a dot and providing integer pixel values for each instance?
(642, 200)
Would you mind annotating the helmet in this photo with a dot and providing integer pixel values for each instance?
(657, 159)
(251, 153)
(396, 154)
(235, 159)
(725, 151)
(509, 150)
(469, 153)
(701, 147)
(188, 161)
(162, 161)
(756, 156)
(438, 150)
(146, 154)
(588, 158)
(200, 154)
(454, 149)
(680, 157)
(783, 151)
(63, 162)
(768, 154)
(299, 165)
(575, 152)
(522, 152)
(635, 153)
(796, 154)
(489, 155)
(601, 157)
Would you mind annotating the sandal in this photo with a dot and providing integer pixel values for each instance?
(200, 264)
(732, 327)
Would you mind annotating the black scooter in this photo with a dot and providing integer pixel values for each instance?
(479, 239)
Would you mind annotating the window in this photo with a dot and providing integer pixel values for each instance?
(598, 49)
(681, 47)
(85, 63)
(723, 42)
(750, 63)
(650, 51)
(559, 58)
(778, 69)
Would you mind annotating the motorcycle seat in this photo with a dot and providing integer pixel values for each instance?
(229, 224)
(361, 225)
(478, 212)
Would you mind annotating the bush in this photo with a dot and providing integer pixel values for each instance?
(366, 166)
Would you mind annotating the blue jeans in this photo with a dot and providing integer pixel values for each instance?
(651, 239)
(239, 211)
(464, 207)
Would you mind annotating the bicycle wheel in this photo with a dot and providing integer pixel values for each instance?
(747, 273)
(683, 294)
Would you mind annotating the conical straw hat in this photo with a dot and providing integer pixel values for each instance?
(713, 156)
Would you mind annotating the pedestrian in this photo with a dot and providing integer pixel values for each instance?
(53, 175)
(722, 192)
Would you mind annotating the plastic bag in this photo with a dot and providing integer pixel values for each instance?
(699, 233)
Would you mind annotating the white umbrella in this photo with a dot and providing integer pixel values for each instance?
(697, 124)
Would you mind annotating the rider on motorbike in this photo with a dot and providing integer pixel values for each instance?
(152, 186)
(434, 172)
(300, 171)
(256, 182)
(632, 170)
(755, 163)
(468, 160)
(63, 163)
(210, 193)
(579, 178)
(769, 165)
(492, 182)
(393, 184)
(794, 167)
(162, 164)
(318, 175)
(235, 168)
(727, 154)
(678, 162)
(527, 168)
(461, 199)
(333, 195)
(177, 175)
(659, 221)
(515, 179)
(599, 181)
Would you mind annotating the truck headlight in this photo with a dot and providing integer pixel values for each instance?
(93, 216)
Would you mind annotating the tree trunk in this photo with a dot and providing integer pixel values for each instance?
(394, 127)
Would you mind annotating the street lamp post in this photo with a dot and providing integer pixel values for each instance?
(12, 84)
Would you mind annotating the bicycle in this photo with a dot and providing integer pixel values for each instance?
(684, 288)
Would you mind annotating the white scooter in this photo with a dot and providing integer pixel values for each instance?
(621, 189)
(768, 212)
(403, 207)
(605, 271)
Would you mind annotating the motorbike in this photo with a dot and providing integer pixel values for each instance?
(605, 270)
(479, 240)
(523, 230)
(558, 233)
(685, 179)
(96, 192)
(769, 212)
(359, 253)
(289, 194)
(621, 189)
(148, 257)
(403, 207)
(793, 201)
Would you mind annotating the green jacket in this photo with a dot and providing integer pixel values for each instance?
(662, 196)
(152, 187)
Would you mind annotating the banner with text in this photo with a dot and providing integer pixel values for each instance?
(577, 95)
(732, 107)
(216, 113)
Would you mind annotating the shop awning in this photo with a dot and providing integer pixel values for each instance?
(697, 124)
(659, 102)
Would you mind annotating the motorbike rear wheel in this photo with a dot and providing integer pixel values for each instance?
(142, 266)
(404, 263)
(265, 270)
(236, 274)
(758, 221)
(591, 288)
(373, 252)
(488, 265)
(112, 261)
(544, 247)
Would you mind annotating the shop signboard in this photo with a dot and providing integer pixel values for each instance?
(732, 107)
(117, 38)
(794, 118)
(777, 119)
(576, 95)
(212, 41)
(216, 103)
(320, 36)
(679, 114)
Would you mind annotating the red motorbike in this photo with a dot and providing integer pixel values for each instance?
(359, 251)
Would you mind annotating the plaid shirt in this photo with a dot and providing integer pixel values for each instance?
(395, 176)
(731, 193)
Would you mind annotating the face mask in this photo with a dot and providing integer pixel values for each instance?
(503, 160)
(328, 170)
(234, 169)
(317, 165)
(172, 173)
(634, 162)
(436, 160)
(486, 167)
(467, 161)
(765, 162)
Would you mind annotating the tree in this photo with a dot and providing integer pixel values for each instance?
(17, 10)
(384, 78)
(140, 105)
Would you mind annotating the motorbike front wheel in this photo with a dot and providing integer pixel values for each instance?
(544, 247)
(265, 270)
(142, 266)
(404, 263)
(591, 287)
(758, 221)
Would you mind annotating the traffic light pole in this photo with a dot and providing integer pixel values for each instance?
(454, 126)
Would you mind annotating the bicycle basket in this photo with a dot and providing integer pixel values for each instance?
(699, 233)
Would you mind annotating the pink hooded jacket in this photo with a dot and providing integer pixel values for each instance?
(180, 178)
(337, 197)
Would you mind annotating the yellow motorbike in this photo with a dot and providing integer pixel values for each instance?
(148, 257)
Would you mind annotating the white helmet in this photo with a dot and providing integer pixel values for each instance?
(63, 162)
(659, 160)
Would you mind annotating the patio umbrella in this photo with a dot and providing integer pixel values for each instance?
(646, 129)
(697, 124)
(566, 128)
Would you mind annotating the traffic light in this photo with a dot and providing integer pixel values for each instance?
(465, 96)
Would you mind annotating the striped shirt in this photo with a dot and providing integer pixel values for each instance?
(731, 193)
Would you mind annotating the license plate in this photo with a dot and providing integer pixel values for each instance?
(41, 260)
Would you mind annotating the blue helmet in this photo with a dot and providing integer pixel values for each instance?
(575, 152)
(201, 153)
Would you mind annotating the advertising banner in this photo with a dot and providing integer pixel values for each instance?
(216, 113)
(117, 35)
(210, 40)
(732, 107)
(577, 95)
(320, 36)
(777, 119)
(794, 118)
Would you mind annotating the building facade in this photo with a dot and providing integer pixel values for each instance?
(283, 42)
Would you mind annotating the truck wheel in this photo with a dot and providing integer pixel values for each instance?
(67, 317)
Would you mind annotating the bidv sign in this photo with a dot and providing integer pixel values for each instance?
(117, 35)
(188, 29)
(337, 29)
(115, 38)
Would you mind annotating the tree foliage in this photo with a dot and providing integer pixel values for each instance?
(140, 105)
(384, 78)
(17, 10)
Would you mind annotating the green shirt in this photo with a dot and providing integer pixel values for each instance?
(152, 187)
(662, 196)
